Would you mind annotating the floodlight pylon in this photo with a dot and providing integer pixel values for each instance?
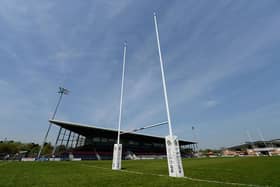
(117, 152)
(175, 166)
(261, 136)
(265, 144)
(62, 91)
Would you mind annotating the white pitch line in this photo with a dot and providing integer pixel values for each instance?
(221, 182)
(188, 178)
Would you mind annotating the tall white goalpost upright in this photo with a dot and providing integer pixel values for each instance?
(117, 152)
(174, 159)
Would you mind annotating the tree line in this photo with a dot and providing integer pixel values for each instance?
(27, 149)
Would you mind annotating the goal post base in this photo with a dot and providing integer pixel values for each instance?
(117, 157)
(174, 159)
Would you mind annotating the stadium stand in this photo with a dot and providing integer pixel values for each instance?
(94, 143)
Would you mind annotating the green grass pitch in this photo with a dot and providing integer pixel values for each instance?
(254, 171)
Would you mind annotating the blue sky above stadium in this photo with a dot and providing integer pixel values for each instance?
(221, 60)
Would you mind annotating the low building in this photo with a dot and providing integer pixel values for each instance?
(257, 148)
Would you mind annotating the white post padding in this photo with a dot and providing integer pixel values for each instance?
(117, 157)
(175, 166)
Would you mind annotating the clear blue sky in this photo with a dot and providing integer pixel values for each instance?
(222, 61)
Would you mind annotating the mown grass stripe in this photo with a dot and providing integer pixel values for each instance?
(4, 163)
(186, 177)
